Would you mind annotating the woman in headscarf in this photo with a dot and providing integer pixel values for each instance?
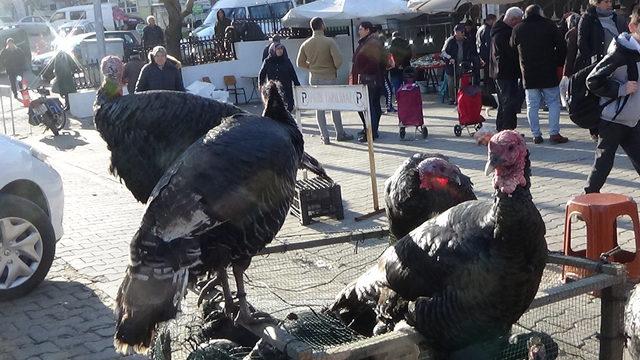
(278, 67)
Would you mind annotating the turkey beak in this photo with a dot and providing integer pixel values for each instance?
(494, 161)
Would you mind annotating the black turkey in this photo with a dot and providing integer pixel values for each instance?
(632, 323)
(470, 272)
(217, 205)
(146, 132)
(423, 186)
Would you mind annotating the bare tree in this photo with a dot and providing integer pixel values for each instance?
(173, 32)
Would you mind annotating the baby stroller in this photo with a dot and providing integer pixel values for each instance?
(469, 101)
(409, 101)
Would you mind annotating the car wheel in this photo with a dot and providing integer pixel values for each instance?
(27, 246)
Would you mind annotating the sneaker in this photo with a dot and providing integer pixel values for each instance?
(391, 110)
(325, 140)
(451, 102)
(361, 132)
(558, 139)
(363, 138)
(538, 140)
(344, 137)
(594, 138)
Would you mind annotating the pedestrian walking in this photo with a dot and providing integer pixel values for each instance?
(321, 57)
(504, 68)
(152, 34)
(618, 124)
(483, 44)
(63, 68)
(541, 50)
(400, 49)
(13, 60)
(222, 21)
(277, 66)
(160, 74)
(571, 38)
(457, 49)
(368, 69)
(132, 70)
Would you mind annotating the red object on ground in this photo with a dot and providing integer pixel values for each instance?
(469, 102)
(24, 91)
(410, 105)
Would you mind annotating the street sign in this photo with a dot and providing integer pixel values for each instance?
(340, 98)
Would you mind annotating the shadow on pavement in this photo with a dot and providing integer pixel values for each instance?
(67, 140)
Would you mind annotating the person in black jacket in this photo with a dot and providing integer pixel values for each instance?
(278, 67)
(483, 42)
(160, 74)
(13, 60)
(618, 124)
(457, 49)
(541, 51)
(152, 34)
(222, 21)
(505, 70)
(401, 51)
(596, 29)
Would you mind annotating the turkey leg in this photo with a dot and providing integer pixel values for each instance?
(244, 314)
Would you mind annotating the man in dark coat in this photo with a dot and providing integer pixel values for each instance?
(132, 70)
(14, 61)
(457, 49)
(541, 51)
(368, 68)
(483, 41)
(160, 74)
(152, 34)
(505, 70)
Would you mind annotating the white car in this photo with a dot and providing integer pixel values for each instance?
(31, 207)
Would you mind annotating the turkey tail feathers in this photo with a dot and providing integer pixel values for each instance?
(143, 301)
(310, 163)
(275, 107)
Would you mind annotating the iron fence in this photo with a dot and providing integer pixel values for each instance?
(87, 75)
(196, 51)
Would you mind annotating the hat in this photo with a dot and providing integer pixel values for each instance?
(111, 67)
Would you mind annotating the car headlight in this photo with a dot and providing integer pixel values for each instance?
(39, 155)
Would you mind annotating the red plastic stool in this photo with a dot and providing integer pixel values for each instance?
(600, 212)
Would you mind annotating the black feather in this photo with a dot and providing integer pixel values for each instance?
(147, 132)
(220, 202)
(407, 205)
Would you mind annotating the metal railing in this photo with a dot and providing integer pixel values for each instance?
(87, 75)
(196, 51)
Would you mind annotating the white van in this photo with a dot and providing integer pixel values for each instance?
(244, 9)
(85, 12)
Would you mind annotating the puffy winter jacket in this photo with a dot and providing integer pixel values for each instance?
(609, 78)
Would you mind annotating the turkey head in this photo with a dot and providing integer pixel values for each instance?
(507, 159)
(436, 173)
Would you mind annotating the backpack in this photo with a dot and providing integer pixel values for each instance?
(584, 106)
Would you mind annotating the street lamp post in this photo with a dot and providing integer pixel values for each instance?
(97, 9)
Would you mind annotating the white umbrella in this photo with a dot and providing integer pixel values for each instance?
(437, 6)
(348, 10)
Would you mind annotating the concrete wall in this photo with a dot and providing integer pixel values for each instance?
(248, 64)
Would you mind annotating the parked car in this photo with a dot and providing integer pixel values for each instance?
(85, 12)
(34, 25)
(76, 28)
(245, 9)
(31, 209)
(71, 44)
(132, 40)
(68, 44)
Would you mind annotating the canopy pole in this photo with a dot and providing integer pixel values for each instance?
(353, 41)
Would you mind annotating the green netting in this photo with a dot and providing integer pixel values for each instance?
(319, 331)
(303, 282)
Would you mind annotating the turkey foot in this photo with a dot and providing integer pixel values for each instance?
(245, 316)
(209, 288)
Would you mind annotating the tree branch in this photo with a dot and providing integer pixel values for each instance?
(188, 8)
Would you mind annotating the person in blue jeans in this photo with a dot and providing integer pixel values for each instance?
(541, 50)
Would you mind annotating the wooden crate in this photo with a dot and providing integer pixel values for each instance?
(317, 197)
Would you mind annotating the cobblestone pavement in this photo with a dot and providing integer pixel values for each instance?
(70, 315)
